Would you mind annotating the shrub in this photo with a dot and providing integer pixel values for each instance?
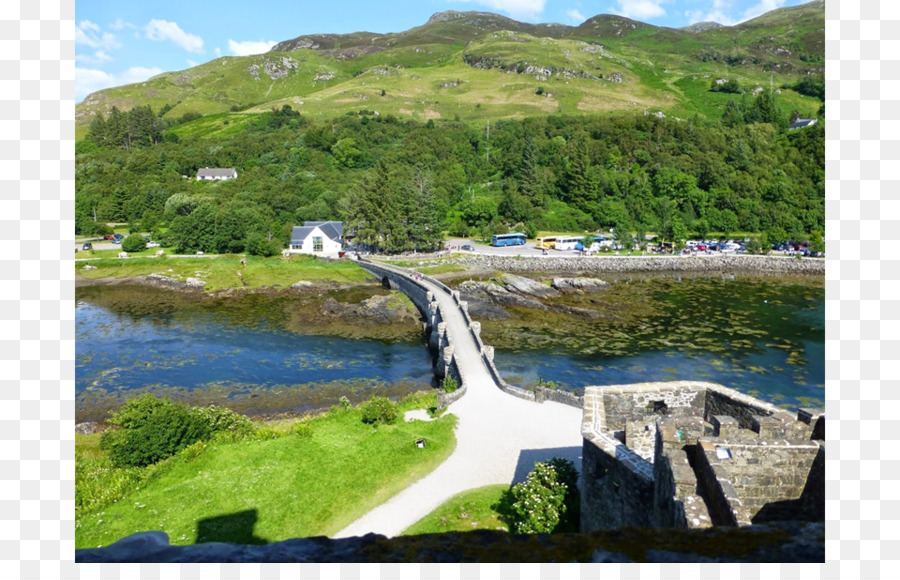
(151, 430)
(379, 410)
(134, 243)
(450, 384)
(258, 245)
(303, 430)
(219, 419)
(192, 451)
(547, 501)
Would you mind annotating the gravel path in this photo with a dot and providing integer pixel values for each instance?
(499, 439)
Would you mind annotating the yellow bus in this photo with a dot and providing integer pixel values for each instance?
(546, 243)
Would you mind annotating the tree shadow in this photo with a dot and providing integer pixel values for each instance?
(236, 528)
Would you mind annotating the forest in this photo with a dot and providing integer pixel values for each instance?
(401, 185)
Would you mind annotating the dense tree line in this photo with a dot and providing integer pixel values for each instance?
(399, 183)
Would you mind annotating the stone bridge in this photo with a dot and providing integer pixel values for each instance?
(455, 337)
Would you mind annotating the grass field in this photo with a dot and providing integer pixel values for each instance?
(254, 492)
(470, 510)
(221, 272)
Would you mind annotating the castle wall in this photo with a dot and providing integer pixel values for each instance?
(764, 480)
(614, 494)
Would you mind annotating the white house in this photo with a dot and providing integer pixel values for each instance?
(215, 173)
(317, 238)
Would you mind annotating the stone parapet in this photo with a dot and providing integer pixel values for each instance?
(777, 542)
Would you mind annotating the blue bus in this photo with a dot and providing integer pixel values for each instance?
(515, 239)
(594, 240)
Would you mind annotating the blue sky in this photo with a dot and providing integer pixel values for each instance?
(118, 43)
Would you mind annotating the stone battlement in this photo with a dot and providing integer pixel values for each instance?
(717, 457)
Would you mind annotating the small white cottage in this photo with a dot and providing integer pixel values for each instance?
(317, 238)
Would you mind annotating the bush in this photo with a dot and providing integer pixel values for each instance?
(450, 384)
(547, 501)
(258, 245)
(303, 430)
(151, 430)
(379, 410)
(192, 451)
(134, 243)
(219, 419)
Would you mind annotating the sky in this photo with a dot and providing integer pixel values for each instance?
(118, 43)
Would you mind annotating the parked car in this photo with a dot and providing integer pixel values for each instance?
(119, 237)
(87, 246)
(109, 237)
(468, 248)
(116, 241)
(152, 244)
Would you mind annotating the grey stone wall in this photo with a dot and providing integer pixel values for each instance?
(676, 503)
(714, 485)
(614, 494)
(751, 413)
(766, 480)
(813, 496)
(781, 542)
(625, 403)
(616, 264)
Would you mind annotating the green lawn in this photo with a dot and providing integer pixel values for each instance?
(470, 510)
(221, 272)
(265, 491)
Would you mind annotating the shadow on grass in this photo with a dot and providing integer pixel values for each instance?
(236, 528)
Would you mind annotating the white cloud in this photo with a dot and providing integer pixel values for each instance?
(761, 8)
(721, 13)
(575, 16)
(641, 9)
(192, 63)
(165, 30)
(96, 58)
(120, 24)
(89, 80)
(89, 34)
(248, 47)
(218, 52)
(518, 9)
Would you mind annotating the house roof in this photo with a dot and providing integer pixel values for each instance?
(333, 230)
(216, 172)
(799, 123)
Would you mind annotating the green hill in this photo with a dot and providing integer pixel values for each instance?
(476, 65)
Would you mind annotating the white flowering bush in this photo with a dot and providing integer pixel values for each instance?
(547, 501)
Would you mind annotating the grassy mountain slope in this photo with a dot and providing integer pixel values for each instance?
(479, 65)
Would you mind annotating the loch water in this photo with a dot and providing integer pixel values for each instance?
(764, 337)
